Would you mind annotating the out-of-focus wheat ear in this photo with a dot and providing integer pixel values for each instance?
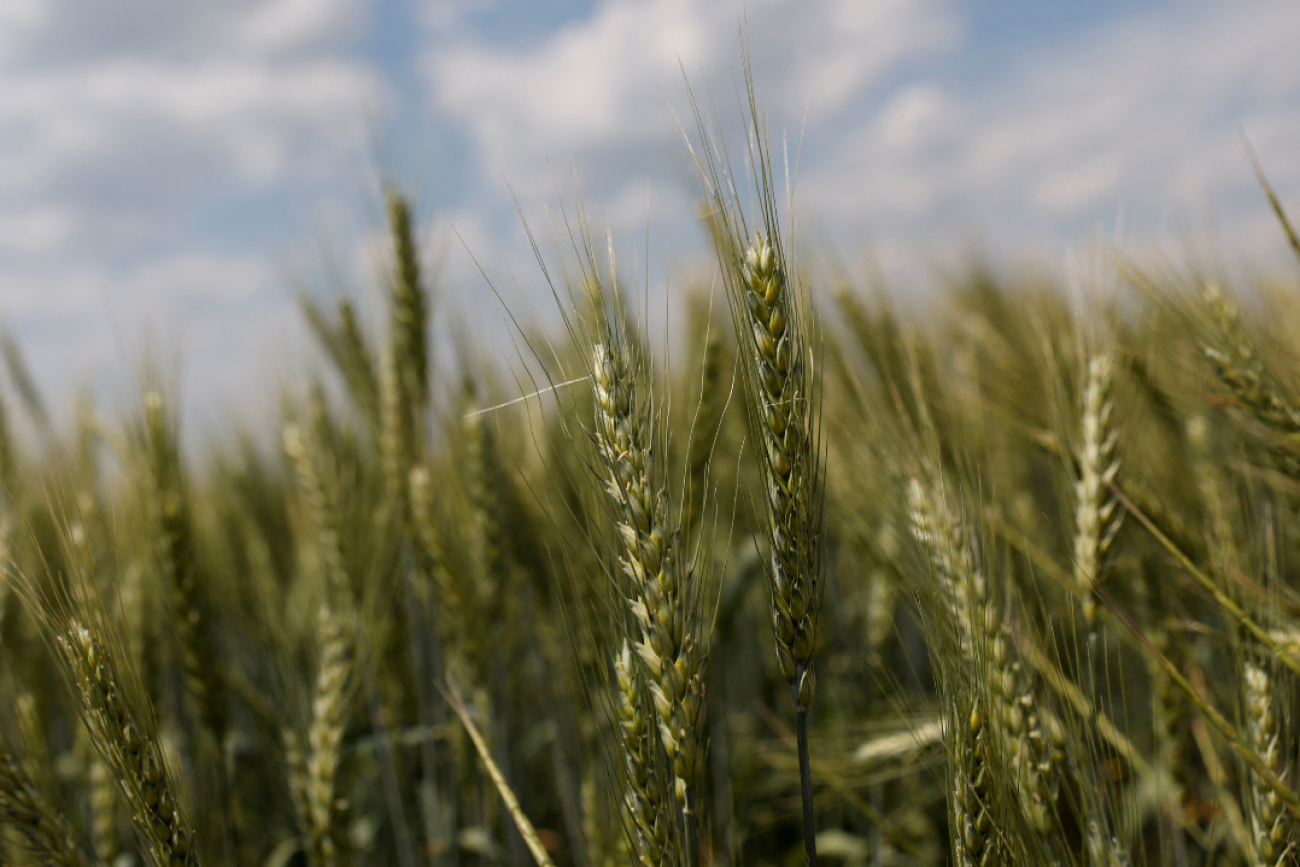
(33, 730)
(347, 346)
(605, 847)
(704, 431)
(1241, 372)
(410, 310)
(483, 483)
(1270, 824)
(48, 835)
(173, 535)
(1030, 745)
(984, 683)
(322, 511)
(358, 363)
(1223, 545)
(1104, 850)
(131, 748)
(314, 773)
(20, 375)
(428, 538)
(104, 810)
(1097, 514)
(396, 433)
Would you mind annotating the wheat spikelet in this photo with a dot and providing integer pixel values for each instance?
(491, 590)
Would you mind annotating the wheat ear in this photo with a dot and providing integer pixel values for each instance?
(131, 750)
(984, 652)
(24, 806)
(173, 535)
(1269, 821)
(643, 800)
(1097, 516)
(1240, 370)
(665, 594)
(313, 774)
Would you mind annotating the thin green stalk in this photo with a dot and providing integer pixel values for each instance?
(522, 822)
(805, 785)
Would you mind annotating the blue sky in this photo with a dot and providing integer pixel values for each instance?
(168, 172)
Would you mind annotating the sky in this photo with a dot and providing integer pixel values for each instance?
(171, 174)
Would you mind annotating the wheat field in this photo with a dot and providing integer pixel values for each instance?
(1007, 578)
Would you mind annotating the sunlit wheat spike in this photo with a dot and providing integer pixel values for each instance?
(665, 593)
(1097, 513)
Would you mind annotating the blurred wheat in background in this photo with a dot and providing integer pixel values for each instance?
(1002, 579)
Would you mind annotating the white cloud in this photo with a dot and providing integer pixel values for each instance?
(223, 319)
(1139, 115)
(283, 25)
(607, 80)
(18, 20)
(121, 127)
(246, 114)
(37, 229)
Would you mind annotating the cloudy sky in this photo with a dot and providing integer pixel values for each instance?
(169, 172)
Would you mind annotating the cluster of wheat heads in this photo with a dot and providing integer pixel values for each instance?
(998, 581)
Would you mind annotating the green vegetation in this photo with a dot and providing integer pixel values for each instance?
(1001, 581)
